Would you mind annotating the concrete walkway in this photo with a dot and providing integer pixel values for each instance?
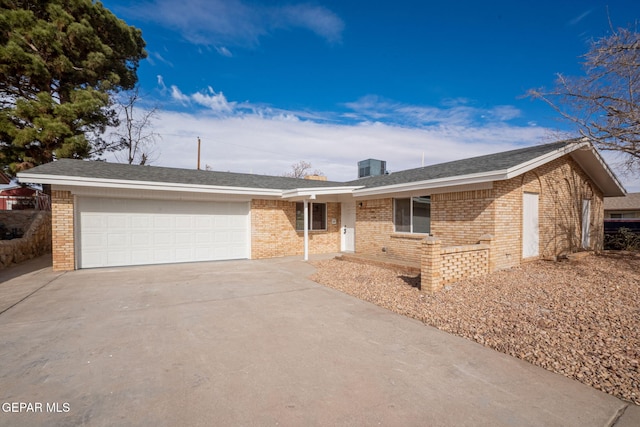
(254, 343)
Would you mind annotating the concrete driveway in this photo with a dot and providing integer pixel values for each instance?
(253, 343)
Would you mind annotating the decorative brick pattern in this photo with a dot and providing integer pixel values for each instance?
(273, 230)
(442, 265)
(62, 234)
(459, 262)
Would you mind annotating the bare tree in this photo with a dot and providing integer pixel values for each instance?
(301, 169)
(136, 138)
(604, 104)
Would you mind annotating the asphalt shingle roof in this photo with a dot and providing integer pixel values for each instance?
(486, 163)
(629, 202)
(118, 171)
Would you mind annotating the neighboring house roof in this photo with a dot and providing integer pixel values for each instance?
(4, 178)
(630, 202)
(23, 191)
(475, 171)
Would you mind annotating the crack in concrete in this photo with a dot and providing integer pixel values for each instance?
(30, 294)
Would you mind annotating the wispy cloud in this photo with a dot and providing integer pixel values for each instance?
(224, 51)
(580, 17)
(155, 56)
(237, 22)
(452, 112)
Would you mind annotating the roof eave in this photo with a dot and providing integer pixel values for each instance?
(308, 192)
(597, 169)
(430, 184)
(144, 185)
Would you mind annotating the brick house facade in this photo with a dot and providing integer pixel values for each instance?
(274, 234)
(476, 217)
(463, 217)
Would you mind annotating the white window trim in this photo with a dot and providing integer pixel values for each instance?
(410, 216)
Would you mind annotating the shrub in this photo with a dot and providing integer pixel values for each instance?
(622, 240)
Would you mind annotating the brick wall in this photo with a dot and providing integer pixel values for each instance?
(374, 225)
(441, 265)
(562, 186)
(461, 218)
(405, 247)
(273, 230)
(62, 238)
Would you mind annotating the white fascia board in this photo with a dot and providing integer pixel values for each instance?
(612, 188)
(72, 181)
(317, 191)
(525, 167)
(454, 181)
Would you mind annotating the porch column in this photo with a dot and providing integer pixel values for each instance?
(306, 229)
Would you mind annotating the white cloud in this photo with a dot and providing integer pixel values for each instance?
(237, 22)
(178, 95)
(216, 102)
(269, 145)
(453, 112)
(580, 17)
(224, 51)
(240, 137)
(155, 55)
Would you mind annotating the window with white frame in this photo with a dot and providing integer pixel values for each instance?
(412, 215)
(317, 216)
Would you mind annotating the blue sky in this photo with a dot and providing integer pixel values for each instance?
(268, 83)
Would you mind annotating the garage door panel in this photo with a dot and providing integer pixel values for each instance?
(132, 232)
(163, 222)
(141, 221)
(184, 221)
(140, 239)
(184, 239)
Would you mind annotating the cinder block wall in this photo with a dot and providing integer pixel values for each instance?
(62, 239)
(273, 230)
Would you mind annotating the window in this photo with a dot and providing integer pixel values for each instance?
(412, 215)
(317, 216)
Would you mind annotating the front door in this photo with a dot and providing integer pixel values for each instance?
(530, 227)
(348, 227)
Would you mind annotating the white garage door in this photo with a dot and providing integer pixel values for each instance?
(118, 232)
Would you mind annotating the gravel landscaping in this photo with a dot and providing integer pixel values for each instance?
(577, 318)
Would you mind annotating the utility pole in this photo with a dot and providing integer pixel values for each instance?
(198, 153)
